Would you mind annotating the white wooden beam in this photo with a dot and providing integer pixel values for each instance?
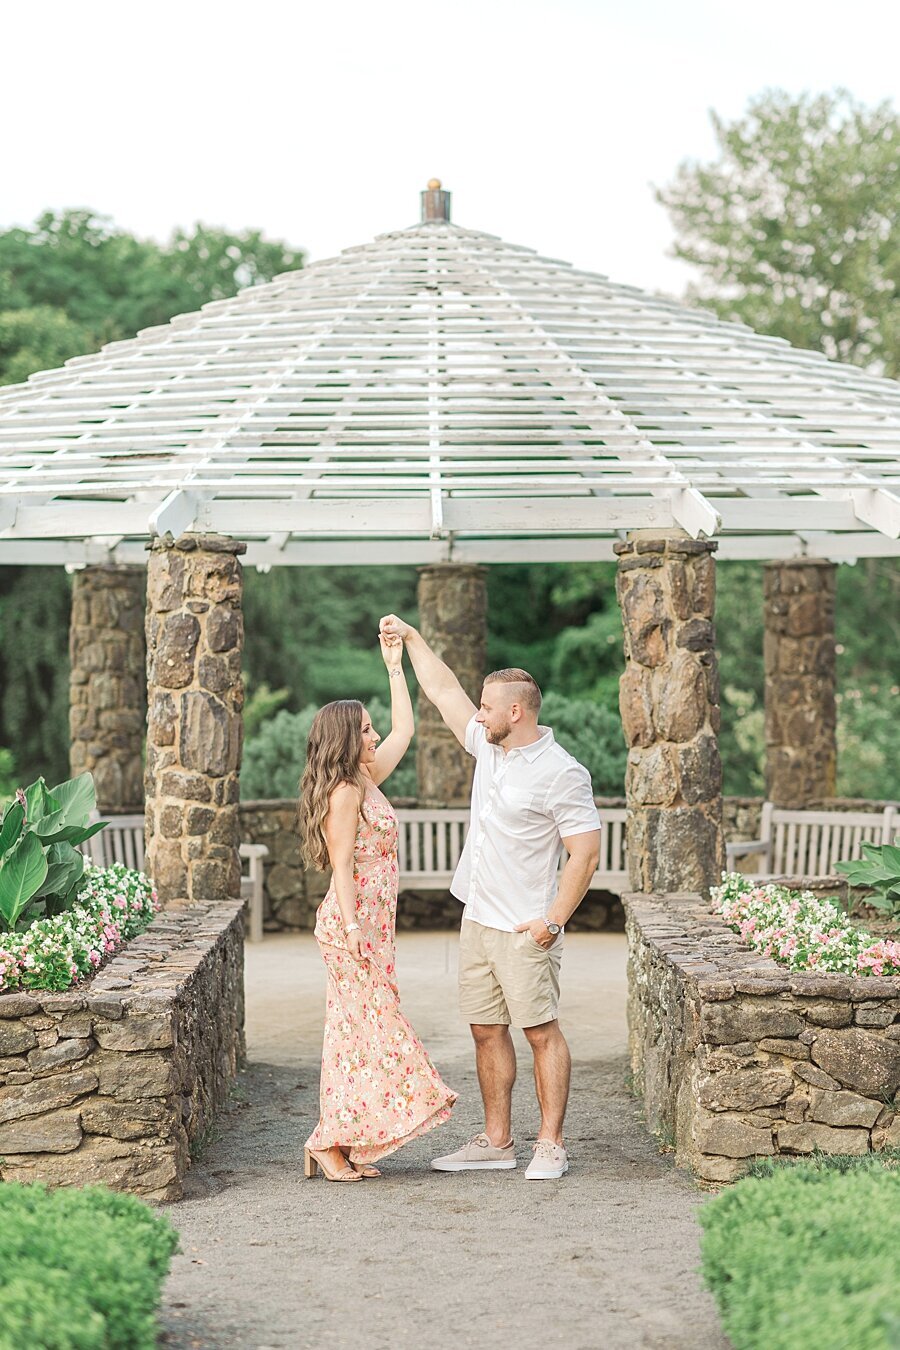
(176, 514)
(879, 508)
(694, 512)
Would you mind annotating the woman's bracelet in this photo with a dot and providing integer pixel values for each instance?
(392, 674)
(350, 928)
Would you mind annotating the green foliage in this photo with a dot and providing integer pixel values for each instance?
(260, 704)
(83, 1269)
(8, 779)
(275, 757)
(879, 869)
(793, 227)
(40, 867)
(74, 282)
(868, 734)
(593, 734)
(314, 630)
(806, 1256)
(34, 669)
(38, 338)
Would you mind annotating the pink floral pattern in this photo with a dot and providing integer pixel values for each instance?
(378, 1088)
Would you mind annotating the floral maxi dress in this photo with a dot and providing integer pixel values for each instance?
(378, 1087)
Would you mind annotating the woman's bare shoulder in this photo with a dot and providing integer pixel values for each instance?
(342, 796)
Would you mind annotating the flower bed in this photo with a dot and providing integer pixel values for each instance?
(55, 953)
(800, 930)
(737, 1056)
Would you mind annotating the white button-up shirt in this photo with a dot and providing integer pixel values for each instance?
(524, 803)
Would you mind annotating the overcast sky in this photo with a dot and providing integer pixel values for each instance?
(550, 120)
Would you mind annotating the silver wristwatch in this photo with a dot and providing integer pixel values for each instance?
(552, 927)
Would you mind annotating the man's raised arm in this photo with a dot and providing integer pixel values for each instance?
(438, 682)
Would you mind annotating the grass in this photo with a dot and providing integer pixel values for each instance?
(806, 1253)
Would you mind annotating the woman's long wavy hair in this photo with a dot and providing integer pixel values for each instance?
(333, 750)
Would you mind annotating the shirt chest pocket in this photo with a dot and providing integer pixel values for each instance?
(517, 807)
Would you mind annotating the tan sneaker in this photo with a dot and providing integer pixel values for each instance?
(479, 1154)
(549, 1162)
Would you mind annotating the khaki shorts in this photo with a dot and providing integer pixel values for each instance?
(507, 978)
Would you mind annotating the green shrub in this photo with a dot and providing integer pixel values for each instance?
(593, 734)
(806, 1255)
(275, 757)
(82, 1268)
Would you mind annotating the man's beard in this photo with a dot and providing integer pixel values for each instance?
(497, 737)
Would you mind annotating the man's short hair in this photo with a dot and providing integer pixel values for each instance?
(529, 695)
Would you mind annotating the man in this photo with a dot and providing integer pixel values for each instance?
(529, 797)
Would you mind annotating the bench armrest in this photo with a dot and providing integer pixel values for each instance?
(741, 847)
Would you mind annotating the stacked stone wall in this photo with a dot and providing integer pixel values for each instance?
(736, 1057)
(195, 631)
(107, 686)
(799, 652)
(453, 607)
(114, 1082)
(669, 701)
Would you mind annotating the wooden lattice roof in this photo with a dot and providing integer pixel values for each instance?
(439, 394)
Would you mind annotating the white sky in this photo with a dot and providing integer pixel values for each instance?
(319, 123)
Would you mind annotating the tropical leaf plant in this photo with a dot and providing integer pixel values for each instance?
(41, 868)
(879, 870)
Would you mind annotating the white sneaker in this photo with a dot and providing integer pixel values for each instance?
(549, 1162)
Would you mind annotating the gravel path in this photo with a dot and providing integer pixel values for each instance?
(604, 1259)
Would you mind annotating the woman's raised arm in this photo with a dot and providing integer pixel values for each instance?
(403, 724)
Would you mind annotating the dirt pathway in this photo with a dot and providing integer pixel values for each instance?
(603, 1260)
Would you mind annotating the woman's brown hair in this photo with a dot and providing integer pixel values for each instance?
(333, 751)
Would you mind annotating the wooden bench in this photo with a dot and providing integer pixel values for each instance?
(123, 841)
(432, 838)
(809, 843)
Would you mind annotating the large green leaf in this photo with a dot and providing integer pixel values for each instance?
(890, 857)
(76, 834)
(48, 826)
(65, 868)
(22, 873)
(39, 802)
(76, 799)
(12, 826)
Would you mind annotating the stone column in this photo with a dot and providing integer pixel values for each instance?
(453, 621)
(801, 748)
(108, 691)
(195, 631)
(669, 699)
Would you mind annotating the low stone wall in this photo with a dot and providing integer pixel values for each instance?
(113, 1082)
(736, 1057)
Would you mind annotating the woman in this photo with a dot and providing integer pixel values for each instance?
(378, 1087)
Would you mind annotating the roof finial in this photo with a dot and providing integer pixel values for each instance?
(435, 202)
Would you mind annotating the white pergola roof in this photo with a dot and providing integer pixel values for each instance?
(441, 395)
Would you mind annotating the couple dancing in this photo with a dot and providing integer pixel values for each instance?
(379, 1089)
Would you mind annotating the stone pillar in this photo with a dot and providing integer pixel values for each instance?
(108, 691)
(195, 694)
(801, 748)
(453, 621)
(669, 699)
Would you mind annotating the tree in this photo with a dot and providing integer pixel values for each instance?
(794, 227)
(38, 338)
(85, 283)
